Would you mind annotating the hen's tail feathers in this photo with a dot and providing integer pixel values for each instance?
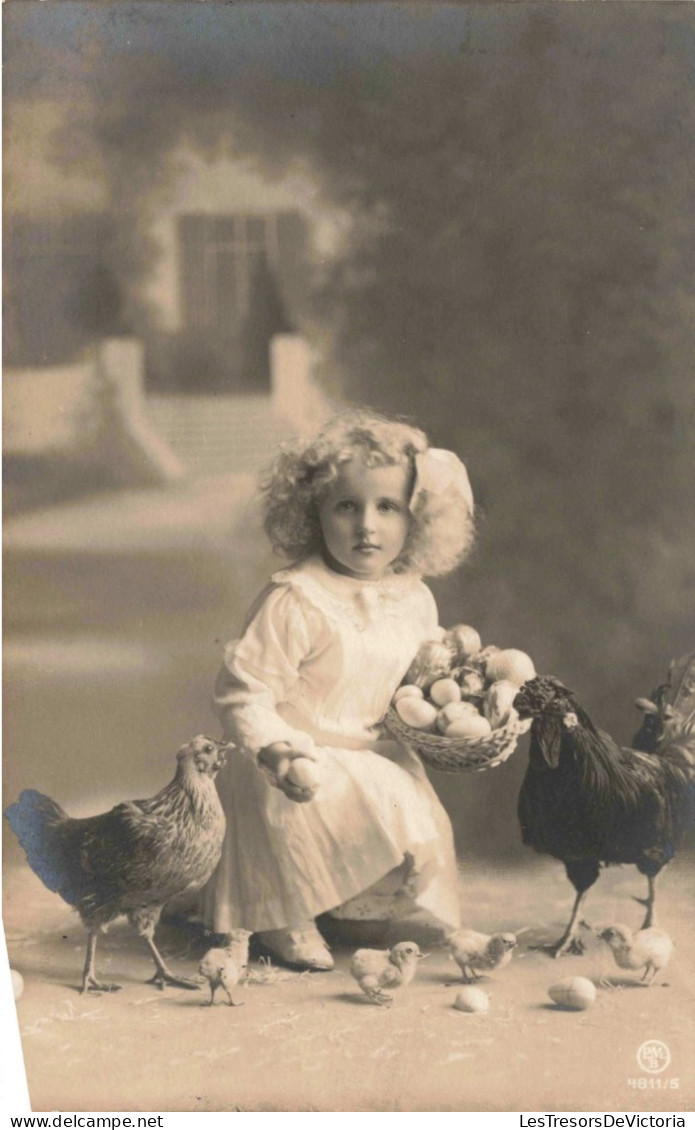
(36, 821)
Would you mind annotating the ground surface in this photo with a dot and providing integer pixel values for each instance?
(312, 1042)
(116, 609)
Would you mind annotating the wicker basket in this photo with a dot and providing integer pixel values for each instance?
(458, 755)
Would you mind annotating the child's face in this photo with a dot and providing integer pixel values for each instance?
(365, 518)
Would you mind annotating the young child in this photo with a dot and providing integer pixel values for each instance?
(363, 511)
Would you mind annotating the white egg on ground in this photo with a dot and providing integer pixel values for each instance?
(17, 983)
(471, 999)
(577, 993)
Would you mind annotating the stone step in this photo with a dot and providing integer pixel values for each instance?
(212, 435)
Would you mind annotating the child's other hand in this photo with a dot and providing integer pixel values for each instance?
(277, 760)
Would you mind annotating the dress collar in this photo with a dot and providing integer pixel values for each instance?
(342, 596)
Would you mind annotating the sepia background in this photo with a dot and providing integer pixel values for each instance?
(222, 222)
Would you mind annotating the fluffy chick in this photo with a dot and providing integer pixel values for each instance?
(649, 949)
(224, 967)
(480, 952)
(380, 972)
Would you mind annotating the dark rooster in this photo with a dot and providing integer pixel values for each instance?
(133, 859)
(587, 801)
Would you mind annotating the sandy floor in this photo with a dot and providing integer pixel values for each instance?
(312, 1042)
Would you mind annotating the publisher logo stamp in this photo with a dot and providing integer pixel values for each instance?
(653, 1056)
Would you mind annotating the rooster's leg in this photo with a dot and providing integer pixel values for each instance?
(649, 903)
(89, 979)
(570, 941)
(582, 874)
(145, 920)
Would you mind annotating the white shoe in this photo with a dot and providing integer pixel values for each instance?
(303, 946)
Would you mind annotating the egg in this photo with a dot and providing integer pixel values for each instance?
(471, 999)
(17, 983)
(445, 691)
(574, 992)
(498, 705)
(302, 773)
(469, 725)
(408, 690)
(464, 639)
(417, 712)
(478, 661)
(510, 664)
(433, 661)
(452, 712)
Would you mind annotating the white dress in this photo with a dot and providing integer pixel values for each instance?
(317, 665)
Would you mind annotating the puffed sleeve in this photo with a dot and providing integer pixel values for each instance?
(430, 614)
(259, 669)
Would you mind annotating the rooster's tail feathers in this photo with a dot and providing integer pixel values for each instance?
(678, 744)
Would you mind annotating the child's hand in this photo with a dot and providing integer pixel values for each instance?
(276, 760)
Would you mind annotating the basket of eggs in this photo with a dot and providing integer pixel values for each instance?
(455, 706)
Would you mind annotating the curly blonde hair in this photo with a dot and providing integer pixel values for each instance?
(441, 528)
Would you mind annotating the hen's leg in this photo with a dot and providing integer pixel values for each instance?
(145, 921)
(89, 979)
(582, 874)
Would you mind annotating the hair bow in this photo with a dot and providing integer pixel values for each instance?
(435, 471)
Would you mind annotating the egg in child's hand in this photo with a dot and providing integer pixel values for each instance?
(302, 773)
(417, 712)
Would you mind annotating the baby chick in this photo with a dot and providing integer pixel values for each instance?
(224, 967)
(473, 951)
(649, 949)
(378, 971)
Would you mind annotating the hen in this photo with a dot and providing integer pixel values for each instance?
(588, 802)
(476, 953)
(133, 859)
(649, 950)
(380, 972)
